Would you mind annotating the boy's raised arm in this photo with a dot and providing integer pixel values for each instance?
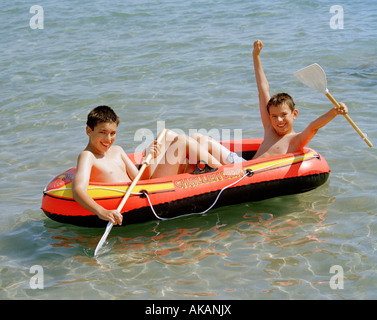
(262, 83)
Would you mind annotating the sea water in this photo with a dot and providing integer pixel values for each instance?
(189, 65)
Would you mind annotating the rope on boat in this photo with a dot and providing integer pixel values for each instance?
(247, 173)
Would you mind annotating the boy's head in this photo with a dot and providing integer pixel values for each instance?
(282, 113)
(101, 128)
(279, 99)
(101, 114)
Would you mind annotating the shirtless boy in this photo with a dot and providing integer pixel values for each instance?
(101, 161)
(278, 114)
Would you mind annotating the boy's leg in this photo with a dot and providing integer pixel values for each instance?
(181, 155)
(215, 148)
(173, 157)
(160, 165)
(197, 151)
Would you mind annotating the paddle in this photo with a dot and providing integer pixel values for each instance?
(129, 190)
(314, 77)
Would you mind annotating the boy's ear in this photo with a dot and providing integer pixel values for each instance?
(88, 130)
(295, 113)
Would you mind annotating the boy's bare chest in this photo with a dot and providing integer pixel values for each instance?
(275, 145)
(280, 145)
(109, 169)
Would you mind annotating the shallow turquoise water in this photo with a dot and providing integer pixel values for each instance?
(187, 63)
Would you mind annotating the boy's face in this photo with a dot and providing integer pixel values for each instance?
(102, 137)
(282, 118)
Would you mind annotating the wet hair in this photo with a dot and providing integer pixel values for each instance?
(280, 98)
(101, 114)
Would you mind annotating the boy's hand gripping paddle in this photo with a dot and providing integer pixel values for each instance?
(129, 190)
(314, 77)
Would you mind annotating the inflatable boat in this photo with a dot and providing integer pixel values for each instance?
(186, 193)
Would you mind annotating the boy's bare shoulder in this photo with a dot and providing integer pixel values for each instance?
(118, 150)
(85, 159)
(86, 154)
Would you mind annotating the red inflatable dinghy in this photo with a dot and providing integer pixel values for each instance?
(187, 193)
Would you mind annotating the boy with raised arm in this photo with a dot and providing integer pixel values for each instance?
(277, 114)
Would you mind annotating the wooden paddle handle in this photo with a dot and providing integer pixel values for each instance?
(353, 124)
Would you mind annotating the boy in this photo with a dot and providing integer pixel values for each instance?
(101, 161)
(277, 114)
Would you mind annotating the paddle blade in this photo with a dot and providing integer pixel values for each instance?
(313, 76)
(103, 239)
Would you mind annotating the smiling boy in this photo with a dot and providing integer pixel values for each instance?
(278, 114)
(102, 162)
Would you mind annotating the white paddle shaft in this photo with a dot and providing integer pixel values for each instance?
(129, 190)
